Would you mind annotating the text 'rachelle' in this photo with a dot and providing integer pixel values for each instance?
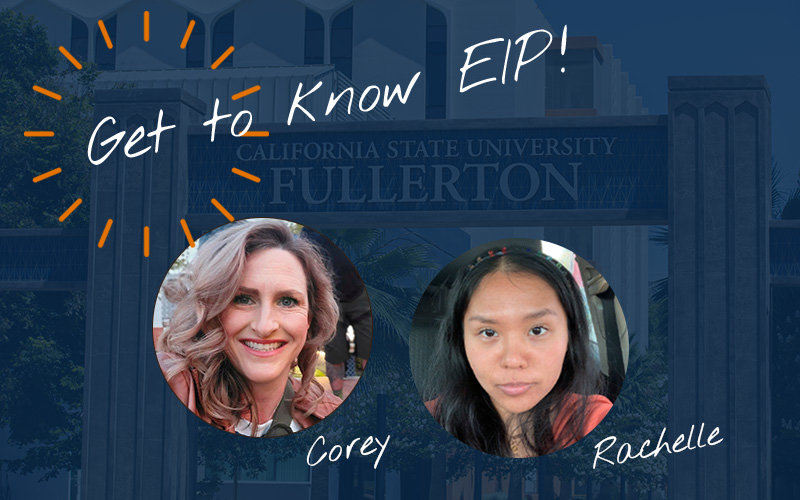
(681, 443)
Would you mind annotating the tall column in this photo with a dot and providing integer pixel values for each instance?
(719, 185)
(138, 438)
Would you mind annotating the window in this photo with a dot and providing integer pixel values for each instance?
(223, 38)
(342, 42)
(435, 64)
(106, 58)
(196, 46)
(315, 39)
(79, 43)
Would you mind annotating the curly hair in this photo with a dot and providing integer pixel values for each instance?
(464, 408)
(194, 338)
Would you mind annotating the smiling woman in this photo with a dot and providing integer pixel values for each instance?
(255, 303)
(517, 361)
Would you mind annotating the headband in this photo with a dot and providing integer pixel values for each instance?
(505, 250)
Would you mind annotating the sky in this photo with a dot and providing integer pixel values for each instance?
(655, 40)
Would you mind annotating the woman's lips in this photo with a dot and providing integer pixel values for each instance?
(263, 348)
(514, 388)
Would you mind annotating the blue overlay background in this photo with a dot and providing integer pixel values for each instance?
(46, 305)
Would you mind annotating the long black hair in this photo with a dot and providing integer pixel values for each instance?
(465, 410)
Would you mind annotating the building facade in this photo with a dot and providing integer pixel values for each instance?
(281, 45)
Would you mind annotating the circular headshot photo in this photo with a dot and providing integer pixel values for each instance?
(262, 328)
(519, 348)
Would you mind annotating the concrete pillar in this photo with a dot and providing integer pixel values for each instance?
(138, 438)
(719, 185)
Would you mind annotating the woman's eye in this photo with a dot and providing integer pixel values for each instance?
(243, 299)
(537, 331)
(488, 333)
(287, 301)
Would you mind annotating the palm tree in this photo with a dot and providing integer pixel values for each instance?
(776, 193)
(389, 268)
(791, 210)
(393, 268)
(786, 207)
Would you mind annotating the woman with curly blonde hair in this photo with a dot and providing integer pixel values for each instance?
(255, 302)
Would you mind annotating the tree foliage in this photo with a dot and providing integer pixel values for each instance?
(785, 405)
(29, 60)
(41, 333)
(41, 378)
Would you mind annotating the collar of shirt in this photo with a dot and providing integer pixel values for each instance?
(243, 427)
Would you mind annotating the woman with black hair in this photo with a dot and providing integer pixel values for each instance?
(515, 373)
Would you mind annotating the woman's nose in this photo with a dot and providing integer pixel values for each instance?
(514, 354)
(264, 321)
